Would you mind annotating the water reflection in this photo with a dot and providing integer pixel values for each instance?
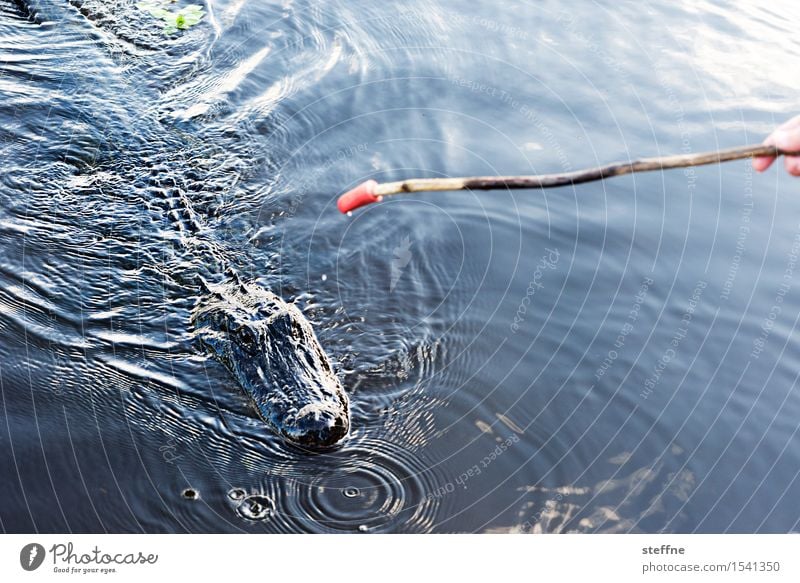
(630, 501)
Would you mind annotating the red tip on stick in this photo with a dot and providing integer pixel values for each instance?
(361, 195)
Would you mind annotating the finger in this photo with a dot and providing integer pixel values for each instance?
(792, 164)
(761, 163)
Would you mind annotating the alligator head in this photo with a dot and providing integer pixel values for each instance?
(272, 351)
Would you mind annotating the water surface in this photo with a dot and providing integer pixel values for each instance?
(617, 356)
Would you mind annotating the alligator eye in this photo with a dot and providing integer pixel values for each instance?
(248, 338)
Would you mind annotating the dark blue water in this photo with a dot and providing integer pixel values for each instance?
(619, 356)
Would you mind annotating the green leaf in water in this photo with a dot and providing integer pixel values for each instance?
(183, 19)
(154, 10)
(192, 14)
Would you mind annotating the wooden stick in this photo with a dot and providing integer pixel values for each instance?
(372, 191)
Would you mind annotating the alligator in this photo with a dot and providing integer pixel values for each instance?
(267, 344)
(272, 351)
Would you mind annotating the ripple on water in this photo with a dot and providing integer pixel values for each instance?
(371, 486)
(236, 493)
(255, 507)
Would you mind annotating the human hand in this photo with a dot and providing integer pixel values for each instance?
(785, 137)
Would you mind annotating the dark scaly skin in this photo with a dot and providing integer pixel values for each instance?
(267, 344)
(270, 348)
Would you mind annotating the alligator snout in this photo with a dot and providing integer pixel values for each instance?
(272, 351)
(315, 428)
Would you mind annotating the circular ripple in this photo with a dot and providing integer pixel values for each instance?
(236, 494)
(351, 492)
(370, 486)
(255, 507)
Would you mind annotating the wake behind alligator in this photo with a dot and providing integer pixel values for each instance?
(266, 343)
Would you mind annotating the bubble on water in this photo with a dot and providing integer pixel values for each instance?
(351, 492)
(256, 507)
(363, 528)
(324, 277)
(190, 494)
(236, 494)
